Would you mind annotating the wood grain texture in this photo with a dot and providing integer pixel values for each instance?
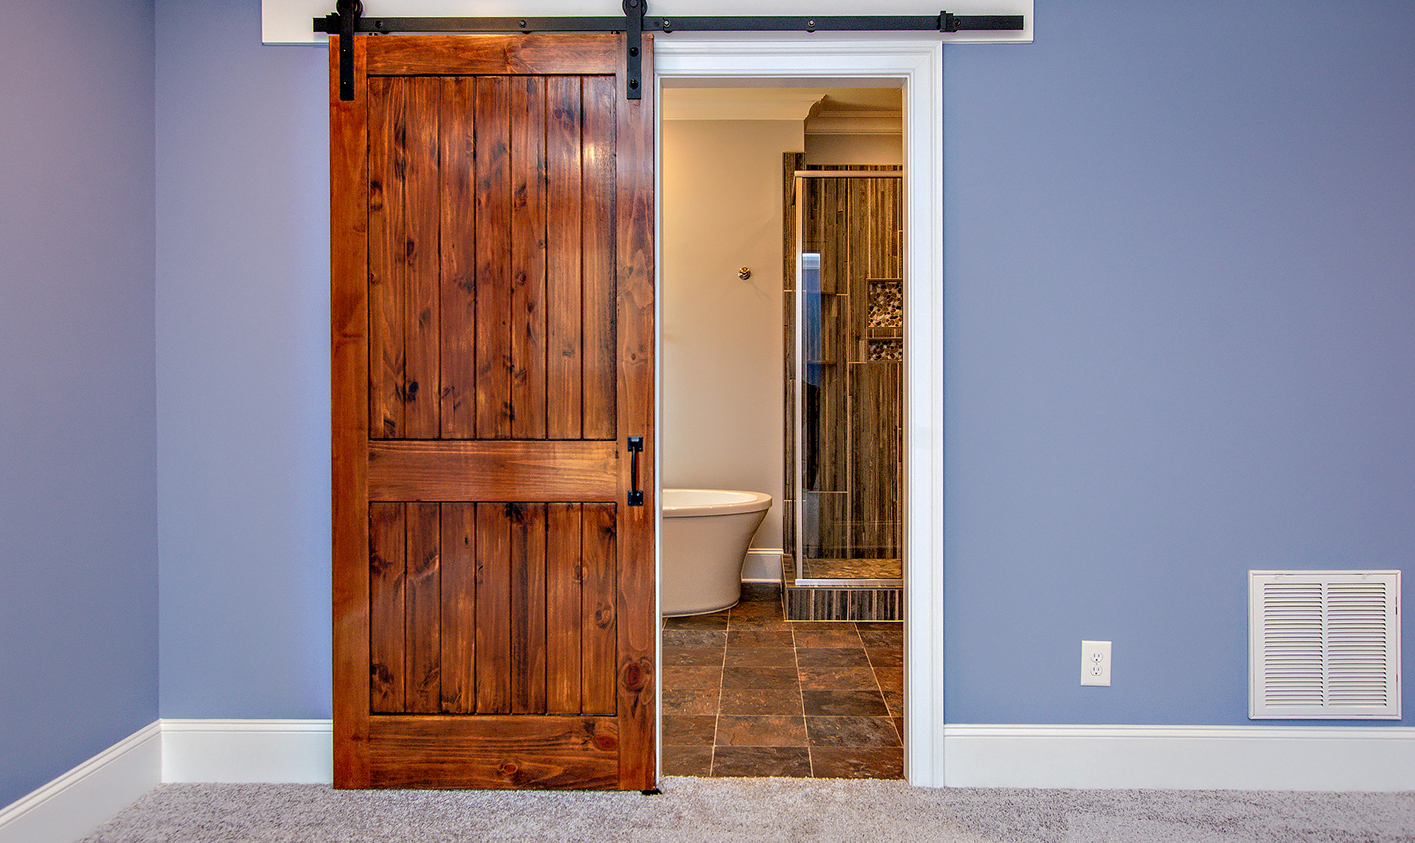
(422, 657)
(349, 204)
(495, 752)
(599, 615)
(387, 565)
(493, 634)
(528, 241)
(527, 562)
(492, 54)
(493, 220)
(458, 248)
(564, 360)
(599, 239)
(563, 617)
(634, 253)
(387, 269)
(422, 258)
(507, 471)
(459, 604)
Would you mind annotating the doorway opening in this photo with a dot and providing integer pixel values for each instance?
(762, 188)
(914, 65)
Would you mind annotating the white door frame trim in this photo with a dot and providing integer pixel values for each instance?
(915, 64)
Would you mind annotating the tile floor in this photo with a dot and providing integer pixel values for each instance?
(747, 693)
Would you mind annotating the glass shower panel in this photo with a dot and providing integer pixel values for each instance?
(847, 341)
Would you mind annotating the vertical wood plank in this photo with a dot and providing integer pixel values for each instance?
(386, 268)
(387, 578)
(598, 625)
(459, 601)
(598, 158)
(422, 254)
(422, 654)
(459, 256)
(493, 636)
(528, 232)
(563, 308)
(563, 574)
(349, 205)
(493, 285)
(527, 607)
(634, 257)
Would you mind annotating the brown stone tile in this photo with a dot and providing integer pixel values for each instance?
(779, 678)
(899, 727)
(761, 657)
(890, 678)
(852, 731)
(675, 676)
(794, 761)
(833, 637)
(844, 703)
(687, 760)
(678, 656)
(760, 701)
(760, 730)
(881, 633)
(690, 700)
(831, 657)
(763, 624)
(757, 608)
(845, 678)
(760, 638)
(688, 729)
(714, 621)
(694, 638)
(895, 701)
(853, 762)
(885, 656)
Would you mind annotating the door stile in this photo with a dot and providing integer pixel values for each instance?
(348, 200)
(634, 212)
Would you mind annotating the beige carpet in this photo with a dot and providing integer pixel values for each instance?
(694, 809)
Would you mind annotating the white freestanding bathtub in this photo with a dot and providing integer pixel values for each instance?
(706, 533)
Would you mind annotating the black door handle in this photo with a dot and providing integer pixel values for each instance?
(636, 447)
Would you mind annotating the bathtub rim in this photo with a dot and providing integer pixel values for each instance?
(749, 502)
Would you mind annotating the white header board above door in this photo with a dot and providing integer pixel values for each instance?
(289, 21)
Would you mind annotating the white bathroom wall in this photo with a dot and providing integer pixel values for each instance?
(722, 336)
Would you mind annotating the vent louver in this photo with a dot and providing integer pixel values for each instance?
(1324, 644)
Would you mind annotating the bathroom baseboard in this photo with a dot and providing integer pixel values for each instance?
(763, 564)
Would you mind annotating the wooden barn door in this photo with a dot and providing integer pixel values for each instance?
(492, 309)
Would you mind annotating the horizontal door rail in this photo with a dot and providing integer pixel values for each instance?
(348, 20)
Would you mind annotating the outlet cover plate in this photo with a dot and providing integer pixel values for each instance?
(1095, 662)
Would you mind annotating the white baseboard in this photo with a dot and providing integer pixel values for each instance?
(73, 805)
(763, 564)
(286, 751)
(1181, 757)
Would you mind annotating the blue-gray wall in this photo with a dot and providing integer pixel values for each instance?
(242, 366)
(1180, 292)
(1180, 341)
(78, 477)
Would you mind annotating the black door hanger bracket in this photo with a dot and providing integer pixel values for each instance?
(348, 20)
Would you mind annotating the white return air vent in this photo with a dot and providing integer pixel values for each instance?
(1324, 644)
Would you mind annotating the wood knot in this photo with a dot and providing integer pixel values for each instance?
(508, 769)
(606, 743)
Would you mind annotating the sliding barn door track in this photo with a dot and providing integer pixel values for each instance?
(348, 20)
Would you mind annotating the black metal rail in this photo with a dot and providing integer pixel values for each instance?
(348, 20)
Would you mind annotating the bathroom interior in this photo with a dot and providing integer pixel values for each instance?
(782, 375)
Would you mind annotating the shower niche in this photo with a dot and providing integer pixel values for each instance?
(844, 401)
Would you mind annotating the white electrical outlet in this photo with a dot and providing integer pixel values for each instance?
(1095, 662)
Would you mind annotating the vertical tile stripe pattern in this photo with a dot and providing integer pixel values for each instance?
(492, 608)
